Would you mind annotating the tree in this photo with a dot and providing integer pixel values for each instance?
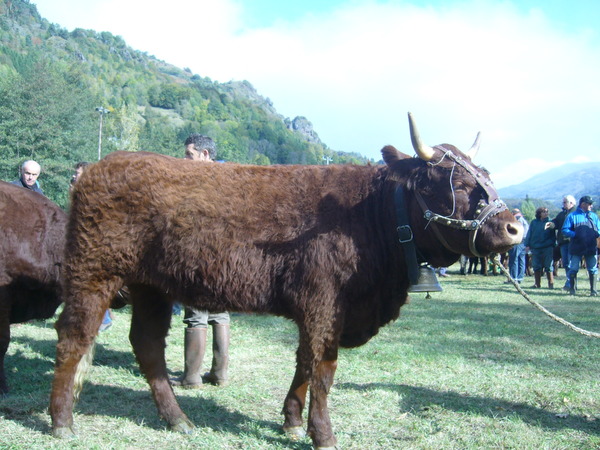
(528, 209)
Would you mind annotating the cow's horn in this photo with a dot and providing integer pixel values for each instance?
(474, 148)
(423, 151)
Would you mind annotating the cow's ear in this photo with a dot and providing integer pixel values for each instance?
(396, 162)
(391, 154)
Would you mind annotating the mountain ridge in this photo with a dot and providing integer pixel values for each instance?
(577, 179)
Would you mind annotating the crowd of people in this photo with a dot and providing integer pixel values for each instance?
(570, 239)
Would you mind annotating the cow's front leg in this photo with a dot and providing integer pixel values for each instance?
(316, 361)
(149, 326)
(77, 328)
(319, 424)
(295, 401)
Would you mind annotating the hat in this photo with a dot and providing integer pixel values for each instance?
(516, 211)
(586, 199)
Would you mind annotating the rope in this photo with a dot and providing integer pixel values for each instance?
(540, 307)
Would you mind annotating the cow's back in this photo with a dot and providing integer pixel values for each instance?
(226, 231)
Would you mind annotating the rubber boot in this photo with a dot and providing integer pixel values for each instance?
(538, 278)
(193, 350)
(572, 284)
(220, 361)
(550, 277)
(593, 285)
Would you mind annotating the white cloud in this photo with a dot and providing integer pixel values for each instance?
(481, 65)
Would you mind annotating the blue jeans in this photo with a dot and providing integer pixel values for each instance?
(566, 260)
(516, 262)
(591, 262)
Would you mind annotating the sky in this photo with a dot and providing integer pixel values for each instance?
(525, 73)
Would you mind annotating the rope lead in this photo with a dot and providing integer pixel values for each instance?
(540, 307)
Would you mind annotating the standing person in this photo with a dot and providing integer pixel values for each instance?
(202, 148)
(517, 254)
(540, 239)
(582, 227)
(464, 261)
(79, 168)
(30, 171)
(568, 207)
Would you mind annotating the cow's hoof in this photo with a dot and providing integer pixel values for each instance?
(295, 433)
(183, 425)
(63, 433)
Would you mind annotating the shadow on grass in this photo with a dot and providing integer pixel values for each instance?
(103, 355)
(138, 407)
(418, 400)
(29, 398)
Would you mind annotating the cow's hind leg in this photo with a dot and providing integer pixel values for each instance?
(77, 327)
(149, 326)
(316, 363)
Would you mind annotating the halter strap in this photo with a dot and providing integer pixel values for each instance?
(484, 211)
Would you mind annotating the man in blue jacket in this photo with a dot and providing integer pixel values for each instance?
(582, 227)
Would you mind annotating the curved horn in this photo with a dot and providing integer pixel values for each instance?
(474, 148)
(423, 151)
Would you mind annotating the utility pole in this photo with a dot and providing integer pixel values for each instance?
(327, 160)
(102, 112)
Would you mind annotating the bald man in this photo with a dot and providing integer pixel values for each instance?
(30, 171)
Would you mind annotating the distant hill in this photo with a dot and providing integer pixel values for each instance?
(577, 179)
(52, 82)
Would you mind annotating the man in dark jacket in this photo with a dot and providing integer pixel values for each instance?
(30, 171)
(562, 241)
(582, 227)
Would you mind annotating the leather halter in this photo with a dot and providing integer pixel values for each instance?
(485, 209)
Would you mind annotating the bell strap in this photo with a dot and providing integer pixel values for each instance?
(406, 237)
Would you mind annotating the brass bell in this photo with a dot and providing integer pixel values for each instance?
(427, 281)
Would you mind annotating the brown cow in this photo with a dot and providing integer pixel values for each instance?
(316, 244)
(32, 236)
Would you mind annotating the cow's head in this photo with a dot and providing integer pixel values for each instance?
(453, 206)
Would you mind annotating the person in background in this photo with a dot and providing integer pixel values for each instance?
(442, 271)
(79, 167)
(540, 239)
(582, 226)
(473, 262)
(517, 254)
(30, 171)
(464, 261)
(568, 206)
(202, 148)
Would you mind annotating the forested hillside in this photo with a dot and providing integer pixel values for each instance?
(52, 81)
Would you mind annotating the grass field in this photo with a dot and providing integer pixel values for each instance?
(475, 366)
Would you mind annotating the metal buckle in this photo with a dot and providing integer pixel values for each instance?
(405, 234)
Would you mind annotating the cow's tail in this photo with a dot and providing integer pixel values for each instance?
(82, 369)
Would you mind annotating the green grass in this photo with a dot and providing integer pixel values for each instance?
(476, 366)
